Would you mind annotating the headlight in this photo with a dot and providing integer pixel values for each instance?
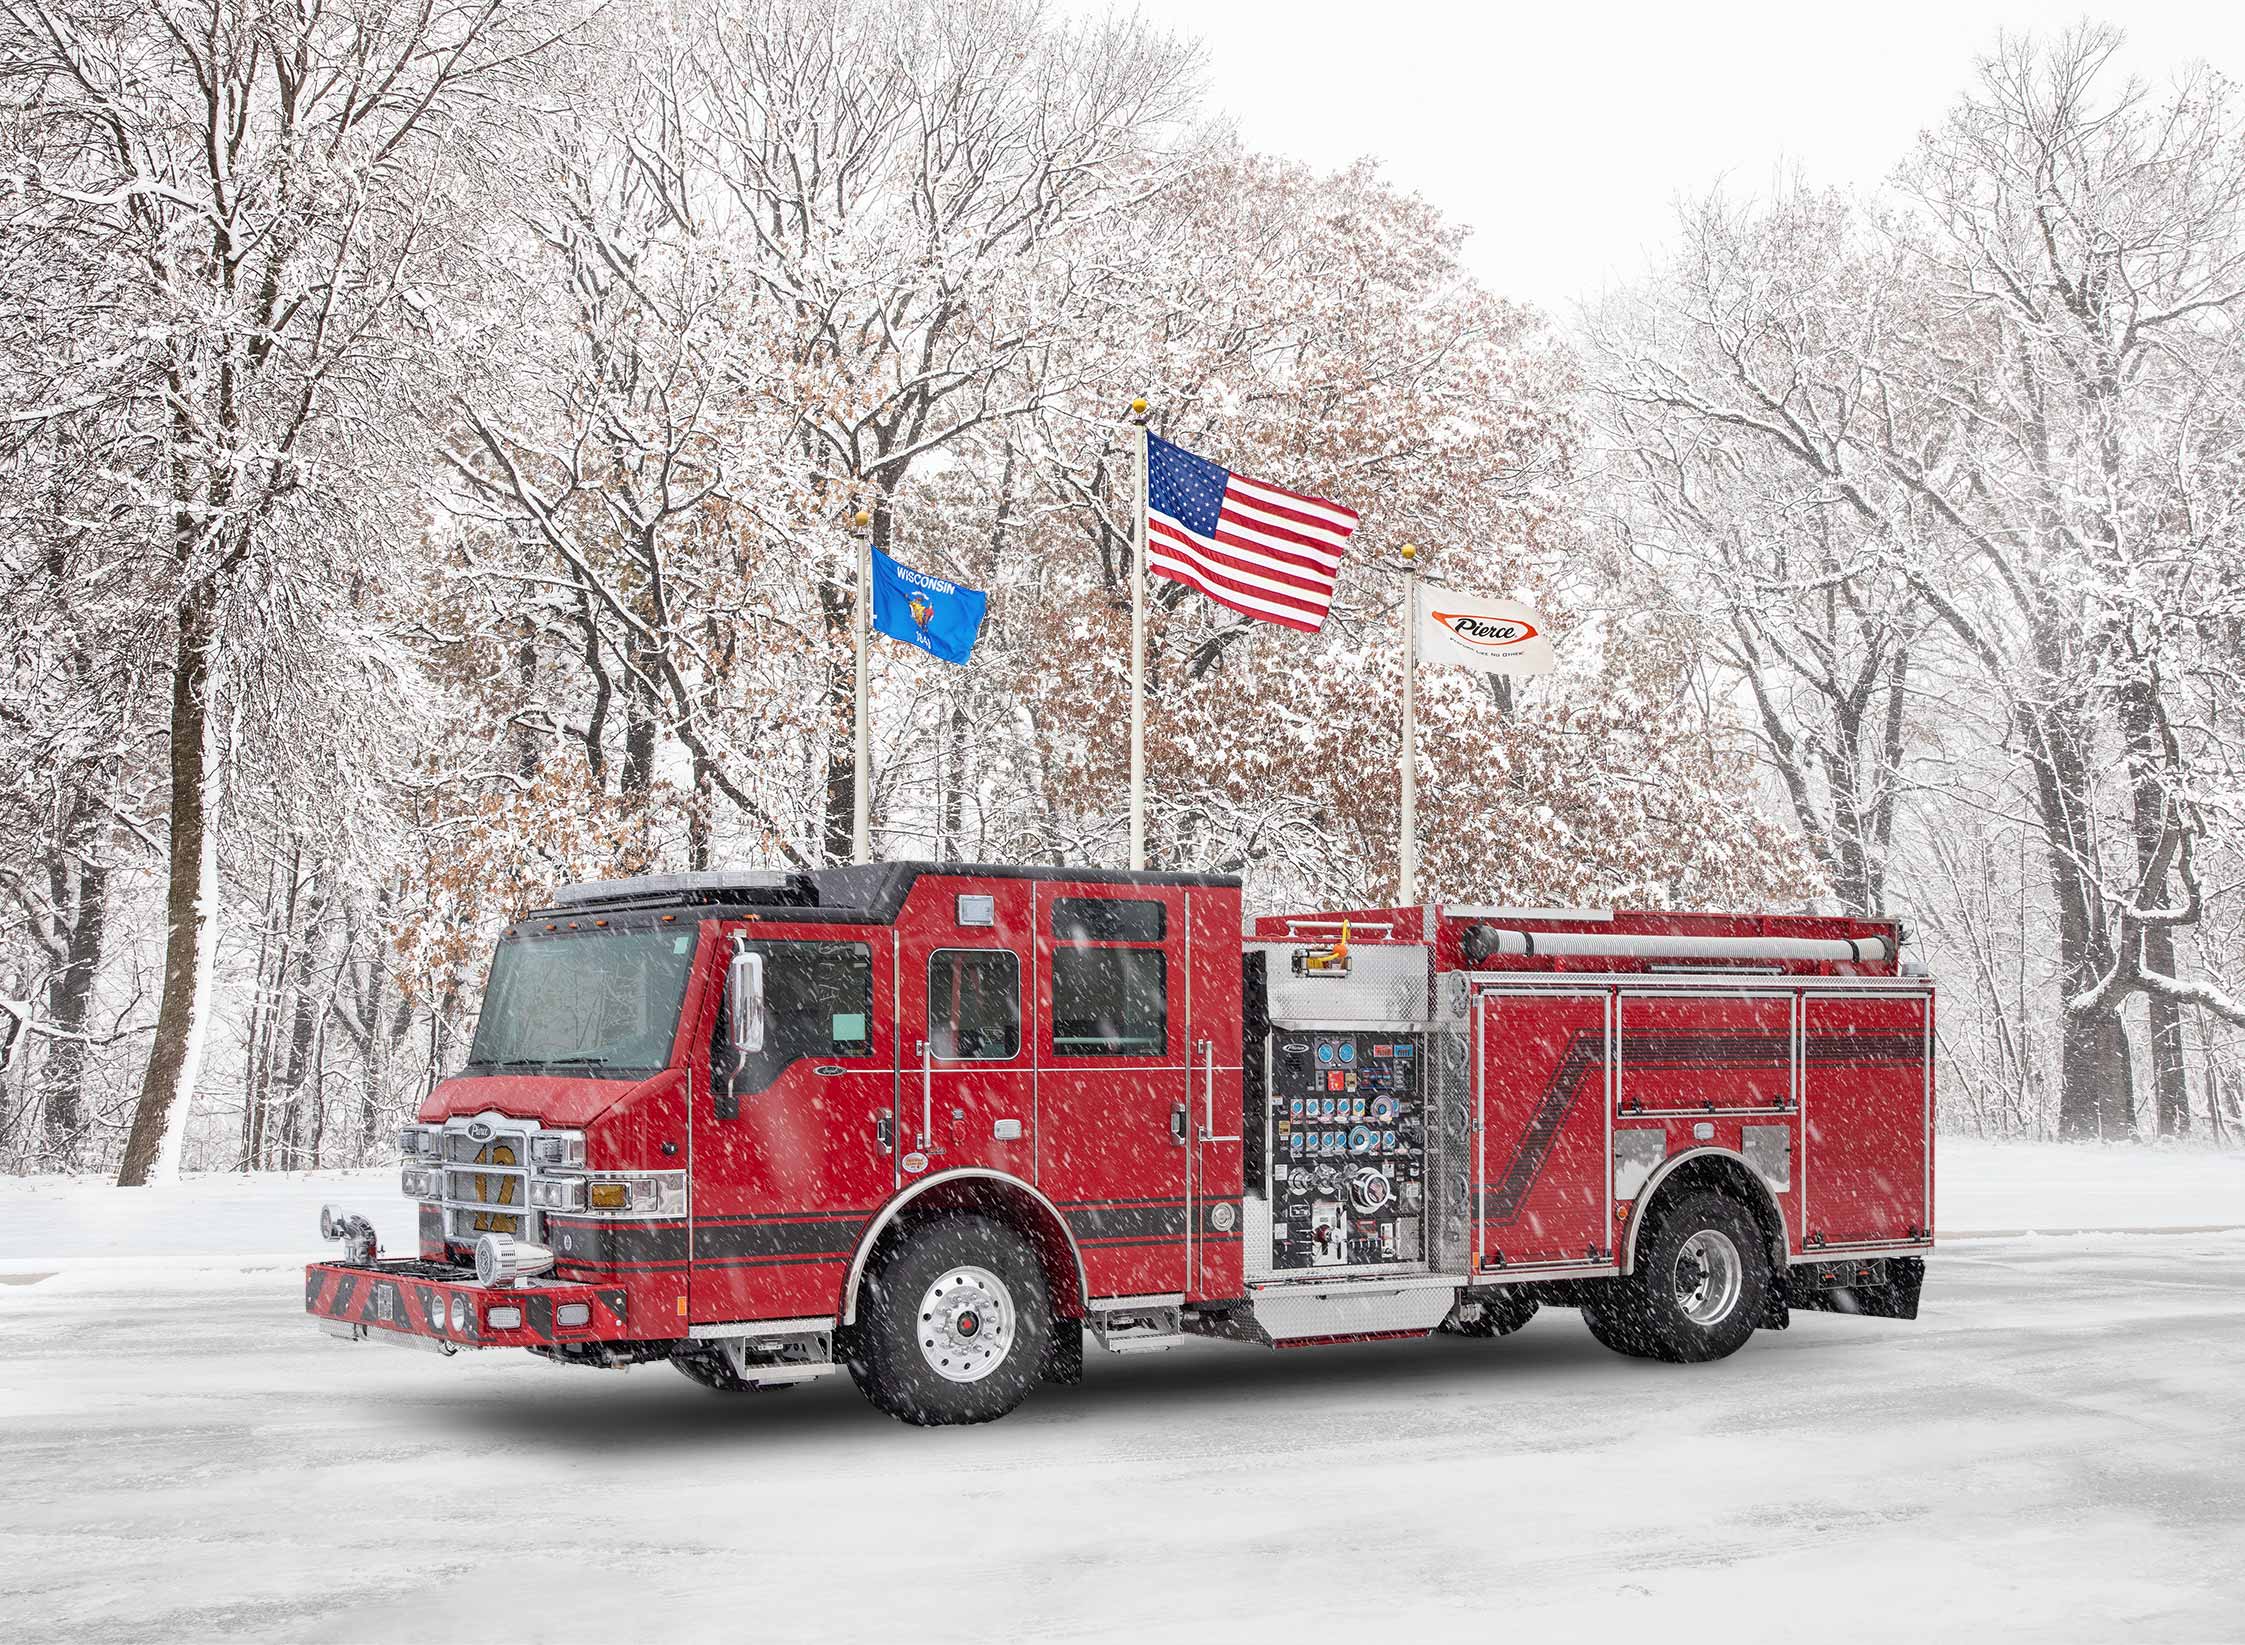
(420, 1182)
(557, 1193)
(558, 1148)
(502, 1319)
(636, 1193)
(421, 1142)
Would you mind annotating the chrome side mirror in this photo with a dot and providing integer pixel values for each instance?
(744, 1005)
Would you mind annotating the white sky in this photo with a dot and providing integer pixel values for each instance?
(1563, 134)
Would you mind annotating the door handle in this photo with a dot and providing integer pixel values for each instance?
(884, 1132)
(1177, 1112)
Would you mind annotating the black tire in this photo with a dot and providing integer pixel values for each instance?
(911, 1360)
(711, 1371)
(1702, 1281)
(1494, 1312)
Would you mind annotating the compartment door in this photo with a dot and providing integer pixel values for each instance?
(1543, 1193)
(1867, 1111)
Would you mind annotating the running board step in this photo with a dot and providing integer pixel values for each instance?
(1137, 1330)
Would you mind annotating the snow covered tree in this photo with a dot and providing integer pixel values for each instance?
(249, 198)
(2000, 414)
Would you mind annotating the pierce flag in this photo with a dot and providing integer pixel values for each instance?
(1262, 550)
(940, 617)
(1493, 636)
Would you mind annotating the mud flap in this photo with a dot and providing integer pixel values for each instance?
(1064, 1355)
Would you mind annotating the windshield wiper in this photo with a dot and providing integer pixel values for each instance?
(548, 1062)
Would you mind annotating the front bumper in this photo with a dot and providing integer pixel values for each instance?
(436, 1305)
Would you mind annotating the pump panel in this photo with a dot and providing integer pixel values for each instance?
(1348, 1148)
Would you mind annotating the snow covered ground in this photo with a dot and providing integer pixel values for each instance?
(2054, 1451)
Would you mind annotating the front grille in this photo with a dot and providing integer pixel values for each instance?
(486, 1185)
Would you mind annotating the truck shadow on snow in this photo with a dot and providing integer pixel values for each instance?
(594, 1413)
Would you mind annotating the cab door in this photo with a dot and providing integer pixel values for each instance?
(1111, 1042)
(794, 1154)
(968, 1091)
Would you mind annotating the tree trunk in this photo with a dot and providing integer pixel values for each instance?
(637, 778)
(838, 606)
(2154, 823)
(167, 1087)
(950, 819)
(2170, 1080)
(2092, 1083)
(70, 1007)
(699, 806)
(303, 1019)
(2094, 1089)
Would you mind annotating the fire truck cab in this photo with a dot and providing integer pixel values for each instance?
(941, 1126)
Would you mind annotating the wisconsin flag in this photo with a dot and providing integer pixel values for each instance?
(940, 617)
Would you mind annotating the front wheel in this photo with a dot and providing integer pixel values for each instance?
(1701, 1282)
(954, 1325)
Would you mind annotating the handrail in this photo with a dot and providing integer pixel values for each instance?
(1208, 1095)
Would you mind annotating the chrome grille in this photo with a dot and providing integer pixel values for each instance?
(487, 1181)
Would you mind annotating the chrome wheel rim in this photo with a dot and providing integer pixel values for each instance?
(1709, 1277)
(966, 1324)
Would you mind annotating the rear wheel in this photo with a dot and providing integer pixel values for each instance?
(1702, 1280)
(954, 1325)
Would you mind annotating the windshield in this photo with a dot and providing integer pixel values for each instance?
(601, 1002)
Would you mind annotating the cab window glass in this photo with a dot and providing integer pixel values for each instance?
(1109, 919)
(1109, 1002)
(974, 1004)
(818, 1003)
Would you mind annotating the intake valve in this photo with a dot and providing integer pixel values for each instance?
(360, 1247)
(1371, 1190)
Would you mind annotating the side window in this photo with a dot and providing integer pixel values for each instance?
(974, 1004)
(818, 1002)
(1109, 919)
(1110, 979)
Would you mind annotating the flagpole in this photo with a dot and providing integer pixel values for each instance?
(1138, 651)
(861, 820)
(1407, 855)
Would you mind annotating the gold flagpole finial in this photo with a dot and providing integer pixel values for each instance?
(1138, 407)
(1409, 551)
(861, 519)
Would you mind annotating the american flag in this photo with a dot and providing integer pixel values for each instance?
(1262, 550)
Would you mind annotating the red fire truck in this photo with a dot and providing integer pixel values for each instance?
(940, 1125)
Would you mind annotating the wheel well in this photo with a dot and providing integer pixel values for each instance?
(1003, 1201)
(1727, 1174)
